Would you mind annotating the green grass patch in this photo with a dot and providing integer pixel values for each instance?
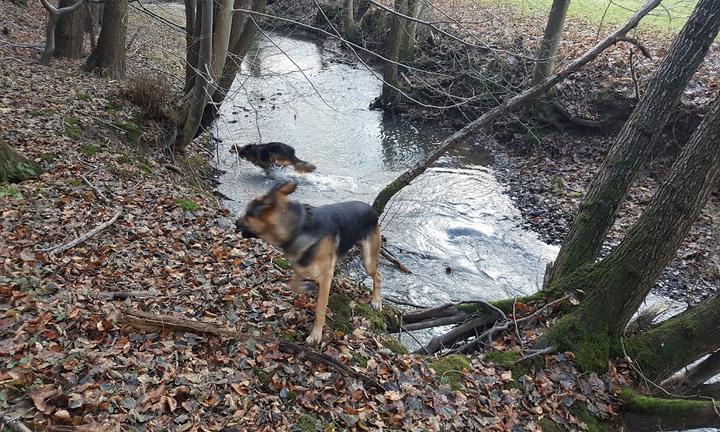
(75, 182)
(72, 128)
(548, 425)
(594, 424)
(306, 423)
(90, 149)
(281, 263)
(83, 97)
(394, 345)
(450, 369)
(671, 16)
(48, 157)
(133, 131)
(187, 204)
(10, 191)
(360, 359)
(40, 113)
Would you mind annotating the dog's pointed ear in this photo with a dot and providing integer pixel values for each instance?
(285, 189)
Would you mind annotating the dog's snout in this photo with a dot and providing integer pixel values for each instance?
(244, 230)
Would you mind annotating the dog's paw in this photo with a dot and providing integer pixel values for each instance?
(376, 304)
(314, 338)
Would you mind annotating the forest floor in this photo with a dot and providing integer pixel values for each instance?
(75, 356)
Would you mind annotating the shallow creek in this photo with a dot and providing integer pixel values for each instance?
(454, 227)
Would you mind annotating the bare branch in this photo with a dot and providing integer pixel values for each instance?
(511, 104)
(62, 248)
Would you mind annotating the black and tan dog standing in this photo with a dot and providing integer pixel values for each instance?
(272, 154)
(313, 238)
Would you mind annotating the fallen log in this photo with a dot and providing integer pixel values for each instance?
(148, 321)
(510, 105)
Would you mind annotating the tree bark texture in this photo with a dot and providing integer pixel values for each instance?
(191, 47)
(634, 145)
(514, 103)
(54, 15)
(108, 57)
(69, 32)
(391, 75)
(241, 37)
(15, 167)
(551, 41)
(677, 342)
(193, 108)
(351, 29)
(407, 41)
(618, 284)
(221, 36)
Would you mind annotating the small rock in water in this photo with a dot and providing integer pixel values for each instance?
(448, 270)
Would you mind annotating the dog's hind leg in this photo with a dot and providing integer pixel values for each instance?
(371, 255)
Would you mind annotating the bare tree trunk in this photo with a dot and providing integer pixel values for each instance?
(550, 41)
(390, 94)
(191, 42)
(408, 42)
(91, 11)
(69, 32)
(54, 15)
(634, 145)
(15, 167)
(221, 36)
(618, 284)
(192, 109)
(241, 38)
(350, 26)
(108, 57)
(509, 105)
(694, 377)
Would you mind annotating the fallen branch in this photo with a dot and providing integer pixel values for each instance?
(488, 334)
(14, 424)
(98, 192)
(512, 104)
(148, 321)
(63, 247)
(548, 350)
(394, 261)
(173, 168)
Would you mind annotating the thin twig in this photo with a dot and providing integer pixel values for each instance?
(548, 350)
(517, 329)
(97, 191)
(62, 248)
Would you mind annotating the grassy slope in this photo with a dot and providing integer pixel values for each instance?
(670, 16)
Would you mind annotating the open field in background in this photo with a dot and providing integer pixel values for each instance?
(670, 15)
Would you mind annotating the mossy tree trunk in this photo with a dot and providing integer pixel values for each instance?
(15, 167)
(551, 41)
(108, 57)
(618, 284)
(69, 32)
(635, 143)
(242, 35)
(678, 342)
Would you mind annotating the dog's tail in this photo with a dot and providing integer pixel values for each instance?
(302, 166)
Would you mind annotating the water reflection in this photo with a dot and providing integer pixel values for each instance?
(453, 226)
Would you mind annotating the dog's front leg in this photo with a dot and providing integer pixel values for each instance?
(321, 308)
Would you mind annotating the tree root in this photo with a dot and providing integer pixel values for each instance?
(152, 322)
(643, 413)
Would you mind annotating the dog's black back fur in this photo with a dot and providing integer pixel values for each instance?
(264, 152)
(350, 221)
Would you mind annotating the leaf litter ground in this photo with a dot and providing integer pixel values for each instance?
(69, 362)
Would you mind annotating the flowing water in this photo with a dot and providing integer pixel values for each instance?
(453, 227)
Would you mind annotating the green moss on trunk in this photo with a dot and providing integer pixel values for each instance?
(14, 167)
